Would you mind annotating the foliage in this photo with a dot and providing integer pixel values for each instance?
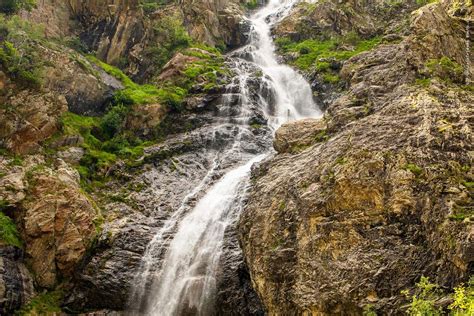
(463, 300)
(150, 6)
(47, 303)
(251, 4)
(19, 56)
(13, 6)
(170, 36)
(8, 231)
(424, 2)
(423, 304)
(311, 51)
(369, 310)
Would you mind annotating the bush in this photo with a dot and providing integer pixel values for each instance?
(423, 304)
(112, 122)
(19, 56)
(47, 303)
(8, 232)
(171, 35)
(13, 6)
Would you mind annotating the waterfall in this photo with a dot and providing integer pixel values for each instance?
(189, 243)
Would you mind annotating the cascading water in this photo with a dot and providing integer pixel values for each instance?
(189, 243)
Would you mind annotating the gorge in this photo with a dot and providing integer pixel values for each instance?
(236, 157)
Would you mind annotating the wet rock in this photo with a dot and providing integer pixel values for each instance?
(16, 282)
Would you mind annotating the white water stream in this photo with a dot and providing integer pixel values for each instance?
(190, 241)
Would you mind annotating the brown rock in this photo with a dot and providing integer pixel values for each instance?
(29, 118)
(295, 136)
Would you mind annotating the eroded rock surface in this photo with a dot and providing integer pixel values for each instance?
(356, 219)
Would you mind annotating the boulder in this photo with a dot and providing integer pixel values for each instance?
(295, 136)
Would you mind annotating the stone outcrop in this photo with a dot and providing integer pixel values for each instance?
(28, 118)
(56, 219)
(16, 282)
(353, 220)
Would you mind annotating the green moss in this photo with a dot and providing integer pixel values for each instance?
(321, 137)
(445, 69)
(47, 303)
(8, 231)
(251, 4)
(416, 170)
(311, 51)
(331, 78)
(424, 82)
(460, 213)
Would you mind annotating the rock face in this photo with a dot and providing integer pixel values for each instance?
(291, 137)
(56, 218)
(355, 219)
(33, 120)
(16, 283)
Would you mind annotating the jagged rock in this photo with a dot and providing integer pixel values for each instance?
(294, 136)
(356, 219)
(143, 119)
(56, 219)
(28, 118)
(16, 282)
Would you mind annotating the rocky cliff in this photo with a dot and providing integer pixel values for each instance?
(111, 112)
(356, 207)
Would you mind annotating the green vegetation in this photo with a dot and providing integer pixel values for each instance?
(19, 55)
(425, 2)
(105, 140)
(460, 213)
(312, 51)
(416, 170)
(8, 232)
(424, 302)
(251, 4)
(47, 303)
(13, 6)
(170, 36)
(445, 69)
(150, 6)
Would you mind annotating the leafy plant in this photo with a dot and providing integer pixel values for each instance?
(423, 304)
(19, 56)
(8, 231)
(13, 6)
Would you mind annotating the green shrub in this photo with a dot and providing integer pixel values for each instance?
(463, 304)
(331, 78)
(423, 304)
(19, 56)
(251, 4)
(112, 122)
(171, 36)
(8, 231)
(13, 6)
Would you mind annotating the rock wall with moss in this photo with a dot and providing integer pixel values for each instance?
(356, 207)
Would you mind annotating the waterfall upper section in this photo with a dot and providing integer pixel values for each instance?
(184, 266)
